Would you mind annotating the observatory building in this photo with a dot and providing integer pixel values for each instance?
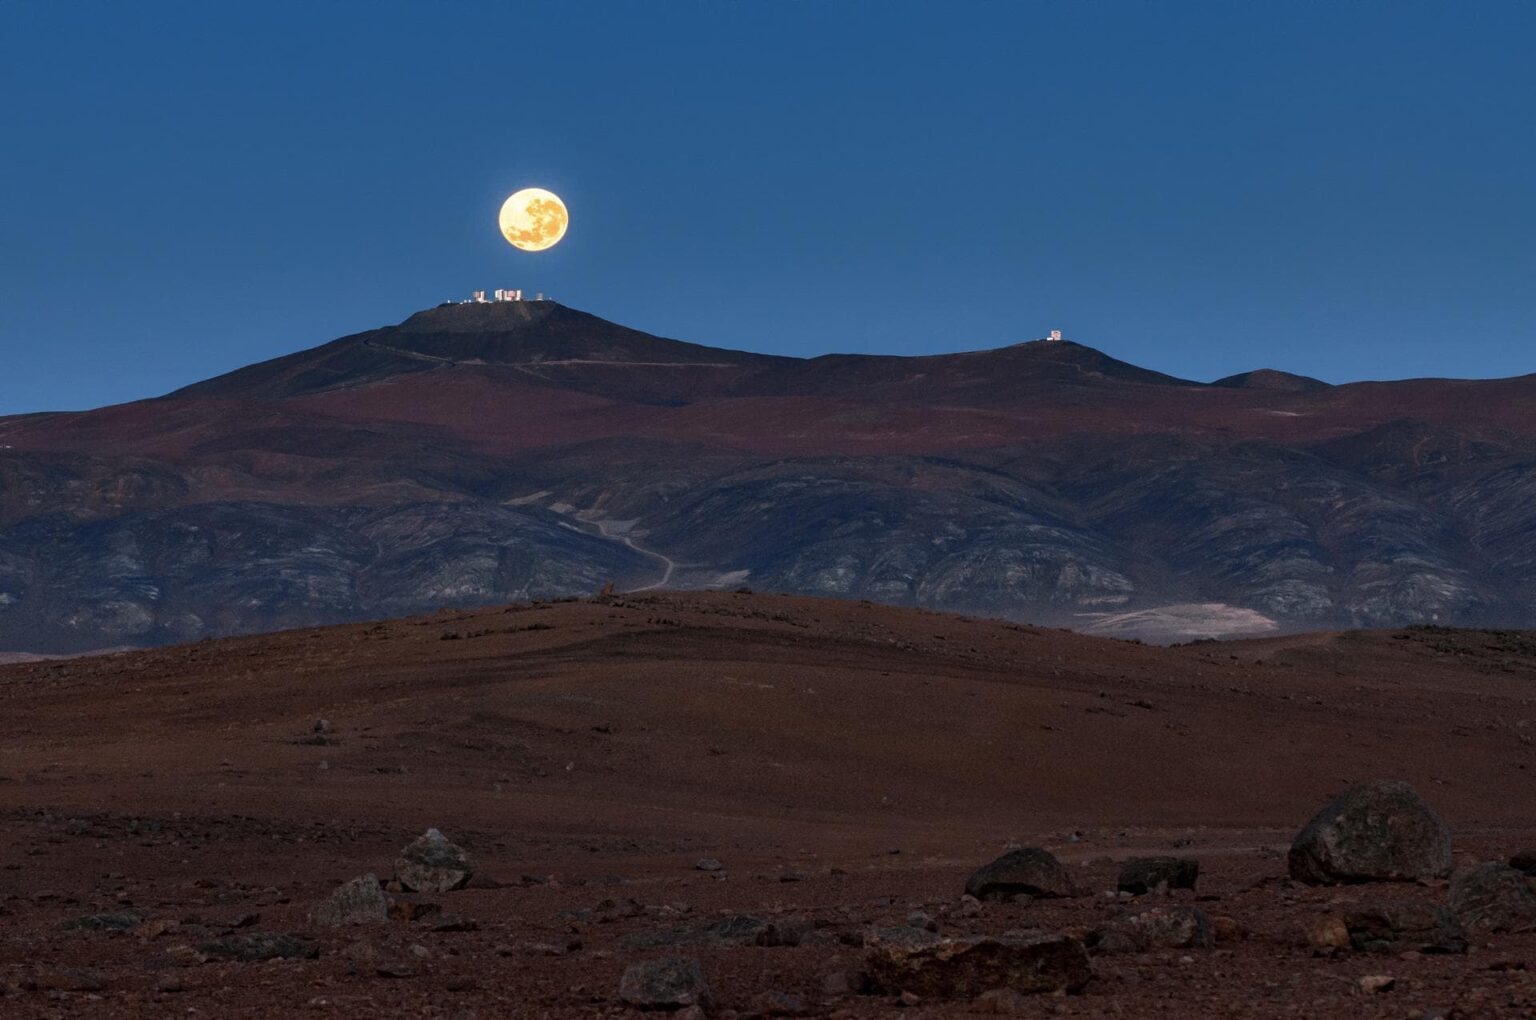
(477, 297)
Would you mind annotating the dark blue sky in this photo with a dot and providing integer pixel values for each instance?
(1345, 190)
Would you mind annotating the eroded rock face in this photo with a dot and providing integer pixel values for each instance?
(1494, 897)
(1399, 927)
(1377, 832)
(360, 901)
(675, 982)
(431, 864)
(1141, 875)
(1027, 872)
(909, 960)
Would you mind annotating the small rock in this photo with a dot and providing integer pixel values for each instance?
(360, 952)
(154, 929)
(1158, 928)
(360, 901)
(1524, 861)
(778, 1004)
(1227, 929)
(394, 969)
(259, 946)
(1373, 983)
(420, 952)
(708, 864)
(184, 956)
(910, 999)
(125, 921)
(1030, 871)
(1141, 875)
(408, 908)
(672, 983)
(483, 881)
(1377, 831)
(905, 959)
(1328, 933)
(72, 979)
(171, 983)
(539, 949)
(918, 919)
(431, 864)
(454, 923)
(836, 984)
(1001, 1002)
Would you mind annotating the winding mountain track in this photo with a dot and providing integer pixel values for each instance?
(670, 564)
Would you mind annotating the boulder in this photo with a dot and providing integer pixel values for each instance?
(1493, 897)
(1377, 832)
(1027, 872)
(431, 864)
(675, 982)
(1401, 927)
(360, 901)
(1140, 875)
(918, 962)
(1158, 928)
(258, 946)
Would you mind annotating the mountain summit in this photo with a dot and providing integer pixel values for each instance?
(529, 336)
(480, 453)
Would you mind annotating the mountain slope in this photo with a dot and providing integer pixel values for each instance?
(477, 453)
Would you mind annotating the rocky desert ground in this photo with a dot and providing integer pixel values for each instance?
(737, 804)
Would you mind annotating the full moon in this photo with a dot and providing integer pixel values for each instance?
(533, 219)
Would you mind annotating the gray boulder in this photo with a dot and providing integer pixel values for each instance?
(1376, 832)
(675, 982)
(910, 960)
(1027, 872)
(1493, 897)
(1139, 875)
(360, 901)
(431, 864)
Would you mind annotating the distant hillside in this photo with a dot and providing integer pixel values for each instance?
(1270, 379)
(481, 453)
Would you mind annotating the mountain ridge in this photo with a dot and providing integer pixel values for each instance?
(539, 451)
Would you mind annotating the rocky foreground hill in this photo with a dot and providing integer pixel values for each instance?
(479, 453)
(737, 805)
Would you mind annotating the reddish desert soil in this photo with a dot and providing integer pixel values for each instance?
(848, 764)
